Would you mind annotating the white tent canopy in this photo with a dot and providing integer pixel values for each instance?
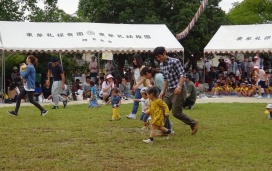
(85, 37)
(241, 38)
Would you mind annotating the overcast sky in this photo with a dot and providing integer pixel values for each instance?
(70, 6)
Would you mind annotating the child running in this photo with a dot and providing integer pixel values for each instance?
(156, 110)
(93, 97)
(145, 104)
(115, 100)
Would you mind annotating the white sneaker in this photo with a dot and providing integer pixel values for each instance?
(256, 95)
(259, 97)
(268, 96)
(131, 116)
(148, 141)
(170, 135)
(149, 118)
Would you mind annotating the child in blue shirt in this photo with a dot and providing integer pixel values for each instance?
(115, 100)
(93, 97)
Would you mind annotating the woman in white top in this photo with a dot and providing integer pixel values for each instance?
(137, 66)
(107, 85)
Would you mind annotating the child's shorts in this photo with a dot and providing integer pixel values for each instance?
(144, 117)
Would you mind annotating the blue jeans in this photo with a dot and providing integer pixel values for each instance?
(136, 104)
(144, 117)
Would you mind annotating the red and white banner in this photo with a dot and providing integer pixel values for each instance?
(193, 21)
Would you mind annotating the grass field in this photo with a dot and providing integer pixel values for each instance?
(231, 137)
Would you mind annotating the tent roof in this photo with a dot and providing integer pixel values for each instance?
(241, 38)
(85, 37)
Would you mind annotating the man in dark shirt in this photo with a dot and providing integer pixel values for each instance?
(55, 69)
(174, 83)
(191, 92)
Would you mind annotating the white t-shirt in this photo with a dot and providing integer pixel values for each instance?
(137, 77)
(145, 103)
(105, 85)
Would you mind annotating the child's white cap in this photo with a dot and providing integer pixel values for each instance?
(144, 89)
(269, 106)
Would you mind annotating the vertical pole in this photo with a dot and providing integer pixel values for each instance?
(60, 60)
(98, 63)
(3, 76)
(204, 69)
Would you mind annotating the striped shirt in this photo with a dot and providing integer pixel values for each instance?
(172, 71)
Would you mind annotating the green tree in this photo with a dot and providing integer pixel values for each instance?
(175, 14)
(251, 12)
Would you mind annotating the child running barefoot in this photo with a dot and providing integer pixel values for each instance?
(156, 109)
(145, 104)
(115, 100)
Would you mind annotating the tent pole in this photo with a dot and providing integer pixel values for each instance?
(98, 62)
(60, 60)
(204, 68)
(3, 77)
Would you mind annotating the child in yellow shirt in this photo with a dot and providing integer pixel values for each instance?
(156, 110)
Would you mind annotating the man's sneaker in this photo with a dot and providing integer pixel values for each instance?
(191, 107)
(170, 135)
(65, 103)
(195, 127)
(131, 116)
(55, 107)
(44, 112)
(148, 141)
(256, 95)
(259, 97)
(13, 113)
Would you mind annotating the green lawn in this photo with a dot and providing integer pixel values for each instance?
(231, 137)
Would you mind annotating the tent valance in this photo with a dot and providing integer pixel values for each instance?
(85, 37)
(241, 39)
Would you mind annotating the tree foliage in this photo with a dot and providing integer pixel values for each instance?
(175, 14)
(251, 12)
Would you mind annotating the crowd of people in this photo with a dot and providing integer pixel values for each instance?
(249, 79)
(171, 88)
(159, 91)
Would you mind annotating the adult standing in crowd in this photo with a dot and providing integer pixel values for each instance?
(245, 69)
(191, 92)
(15, 73)
(138, 64)
(233, 67)
(29, 86)
(56, 70)
(254, 63)
(109, 67)
(93, 69)
(173, 87)
(207, 65)
(222, 65)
